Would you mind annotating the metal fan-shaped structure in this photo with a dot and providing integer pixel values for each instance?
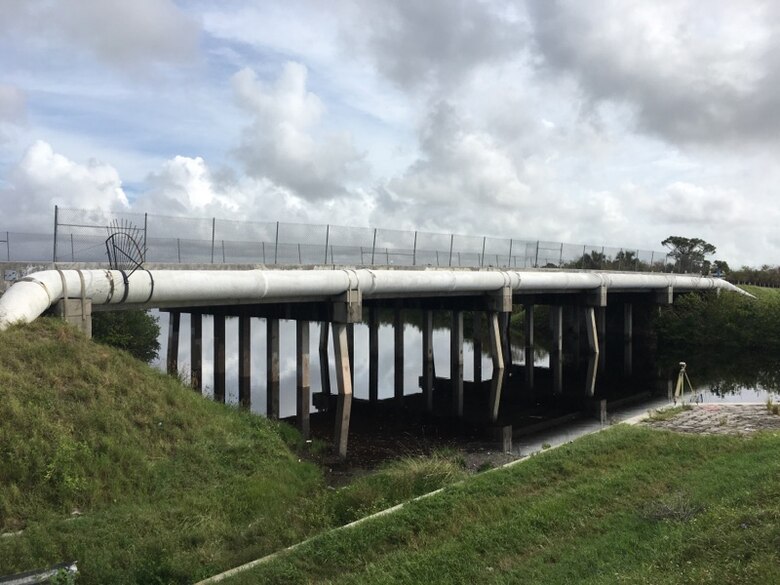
(122, 247)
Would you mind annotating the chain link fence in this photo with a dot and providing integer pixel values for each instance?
(80, 236)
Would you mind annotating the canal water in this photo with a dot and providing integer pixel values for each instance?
(714, 378)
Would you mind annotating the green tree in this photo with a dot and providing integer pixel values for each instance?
(689, 253)
(135, 331)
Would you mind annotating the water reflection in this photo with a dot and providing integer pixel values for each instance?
(632, 369)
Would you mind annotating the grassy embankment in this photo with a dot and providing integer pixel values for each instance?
(172, 488)
(629, 505)
(106, 461)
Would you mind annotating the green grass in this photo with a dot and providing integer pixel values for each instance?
(394, 483)
(109, 462)
(665, 414)
(168, 486)
(628, 505)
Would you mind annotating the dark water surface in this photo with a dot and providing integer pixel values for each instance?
(715, 377)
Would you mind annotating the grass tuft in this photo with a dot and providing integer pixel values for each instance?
(664, 414)
(393, 483)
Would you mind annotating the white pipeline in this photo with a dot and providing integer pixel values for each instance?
(34, 294)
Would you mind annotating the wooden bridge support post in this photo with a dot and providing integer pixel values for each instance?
(303, 382)
(373, 355)
(601, 327)
(173, 343)
(529, 346)
(324, 362)
(398, 330)
(219, 358)
(497, 381)
(506, 340)
(272, 368)
(245, 361)
(476, 333)
(343, 379)
(351, 350)
(196, 351)
(427, 359)
(556, 350)
(456, 362)
(591, 330)
(628, 338)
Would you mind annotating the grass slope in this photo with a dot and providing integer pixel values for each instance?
(168, 487)
(629, 505)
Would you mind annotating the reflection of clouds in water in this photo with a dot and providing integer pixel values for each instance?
(412, 359)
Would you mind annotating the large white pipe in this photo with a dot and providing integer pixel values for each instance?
(34, 294)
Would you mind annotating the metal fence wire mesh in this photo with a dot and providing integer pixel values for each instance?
(80, 236)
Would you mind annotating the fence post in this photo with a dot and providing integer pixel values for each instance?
(652, 256)
(213, 234)
(536, 259)
(373, 248)
(223, 251)
(54, 253)
(602, 257)
(560, 257)
(8, 246)
(276, 245)
(636, 264)
(178, 249)
(414, 250)
(146, 223)
(452, 242)
(509, 262)
(72, 252)
(482, 257)
(327, 241)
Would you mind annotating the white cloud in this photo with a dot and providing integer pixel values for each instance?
(44, 178)
(285, 141)
(694, 72)
(186, 186)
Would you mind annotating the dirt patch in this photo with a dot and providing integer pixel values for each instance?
(387, 434)
(721, 419)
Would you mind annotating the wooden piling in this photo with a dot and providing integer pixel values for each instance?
(476, 334)
(456, 362)
(219, 358)
(373, 355)
(303, 382)
(272, 368)
(427, 361)
(196, 351)
(173, 343)
(556, 351)
(497, 354)
(398, 330)
(343, 379)
(529, 345)
(245, 361)
(324, 360)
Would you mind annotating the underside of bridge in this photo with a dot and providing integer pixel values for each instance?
(337, 299)
(578, 319)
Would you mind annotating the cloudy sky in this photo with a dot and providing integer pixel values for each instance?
(598, 122)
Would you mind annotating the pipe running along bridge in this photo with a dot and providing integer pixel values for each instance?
(336, 298)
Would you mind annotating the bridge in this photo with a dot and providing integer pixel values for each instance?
(337, 297)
